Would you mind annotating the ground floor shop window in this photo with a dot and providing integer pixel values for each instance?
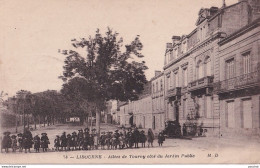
(247, 119)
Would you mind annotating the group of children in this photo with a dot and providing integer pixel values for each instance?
(24, 141)
(83, 140)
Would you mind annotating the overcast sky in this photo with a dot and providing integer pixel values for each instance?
(32, 31)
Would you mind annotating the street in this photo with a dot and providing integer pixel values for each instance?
(197, 150)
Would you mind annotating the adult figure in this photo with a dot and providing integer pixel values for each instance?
(150, 137)
(6, 142)
(136, 137)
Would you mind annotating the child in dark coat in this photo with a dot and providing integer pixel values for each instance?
(161, 138)
(142, 138)
(37, 143)
(57, 143)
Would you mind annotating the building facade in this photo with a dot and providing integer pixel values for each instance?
(158, 101)
(238, 85)
(210, 78)
(192, 66)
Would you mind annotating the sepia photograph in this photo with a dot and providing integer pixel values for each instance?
(129, 82)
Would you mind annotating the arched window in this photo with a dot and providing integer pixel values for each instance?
(200, 69)
(208, 66)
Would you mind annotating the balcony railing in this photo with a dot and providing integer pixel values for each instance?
(239, 82)
(201, 83)
(174, 92)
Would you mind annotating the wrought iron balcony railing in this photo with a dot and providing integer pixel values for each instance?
(239, 82)
(201, 83)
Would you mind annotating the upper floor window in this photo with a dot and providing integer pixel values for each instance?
(200, 69)
(153, 88)
(156, 86)
(208, 66)
(246, 61)
(230, 68)
(185, 77)
(176, 79)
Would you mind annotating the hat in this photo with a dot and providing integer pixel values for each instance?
(20, 134)
(86, 129)
(80, 130)
(64, 132)
(68, 135)
(57, 136)
(73, 133)
(103, 132)
(142, 131)
(13, 136)
(116, 130)
(94, 129)
(44, 133)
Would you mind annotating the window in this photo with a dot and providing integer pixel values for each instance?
(208, 106)
(185, 77)
(208, 66)
(176, 79)
(230, 68)
(200, 103)
(200, 70)
(156, 86)
(230, 115)
(153, 88)
(246, 59)
(247, 113)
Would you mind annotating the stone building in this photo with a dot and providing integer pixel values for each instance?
(192, 65)
(158, 102)
(238, 81)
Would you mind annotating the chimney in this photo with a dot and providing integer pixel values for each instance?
(175, 39)
(168, 45)
(157, 73)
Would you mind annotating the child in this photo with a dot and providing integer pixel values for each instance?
(57, 143)
(37, 143)
(20, 142)
(14, 143)
(142, 139)
(161, 138)
(44, 142)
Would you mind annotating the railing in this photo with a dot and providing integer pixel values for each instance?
(239, 82)
(201, 83)
(174, 92)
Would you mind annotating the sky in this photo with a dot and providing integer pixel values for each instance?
(32, 32)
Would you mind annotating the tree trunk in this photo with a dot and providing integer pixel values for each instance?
(40, 121)
(53, 122)
(28, 124)
(34, 122)
(44, 121)
(98, 114)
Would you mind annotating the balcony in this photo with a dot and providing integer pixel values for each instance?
(202, 83)
(238, 83)
(174, 92)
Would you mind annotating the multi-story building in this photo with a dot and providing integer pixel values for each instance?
(238, 81)
(158, 102)
(192, 64)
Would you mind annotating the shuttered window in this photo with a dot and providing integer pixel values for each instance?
(246, 59)
(230, 68)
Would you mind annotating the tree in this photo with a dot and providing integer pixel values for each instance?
(106, 72)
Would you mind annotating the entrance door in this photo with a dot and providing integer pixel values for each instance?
(247, 114)
(230, 114)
